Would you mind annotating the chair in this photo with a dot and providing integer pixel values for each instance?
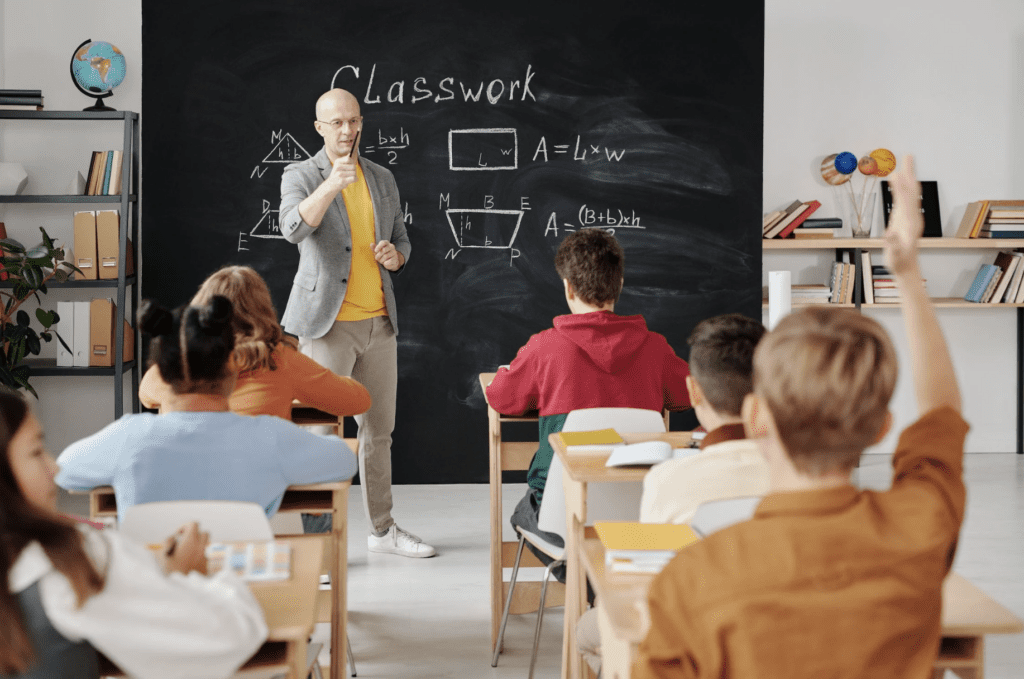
(718, 514)
(621, 502)
(223, 520)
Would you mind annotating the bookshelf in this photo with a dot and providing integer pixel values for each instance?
(852, 247)
(128, 204)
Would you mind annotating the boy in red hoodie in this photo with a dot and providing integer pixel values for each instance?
(591, 358)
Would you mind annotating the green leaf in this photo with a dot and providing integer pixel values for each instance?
(60, 275)
(46, 262)
(11, 245)
(62, 343)
(32, 345)
(33, 276)
(38, 252)
(46, 318)
(45, 336)
(46, 238)
(21, 290)
(23, 319)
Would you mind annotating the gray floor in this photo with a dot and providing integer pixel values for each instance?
(429, 617)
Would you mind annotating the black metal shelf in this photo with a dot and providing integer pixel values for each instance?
(47, 367)
(68, 115)
(66, 199)
(106, 283)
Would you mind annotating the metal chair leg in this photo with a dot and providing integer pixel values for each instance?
(351, 658)
(540, 613)
(508, 603)
(316, 673)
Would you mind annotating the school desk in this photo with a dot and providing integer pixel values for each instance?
(510, 456)
(316, 498)
(289, 608)
(580, 470)
(968, 614)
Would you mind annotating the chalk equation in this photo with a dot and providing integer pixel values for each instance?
(483, 149)
(285, 150)
(608, 219)
(390, 144)
(580, 151)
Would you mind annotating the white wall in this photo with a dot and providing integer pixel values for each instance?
(942, 80)
(939, 79)
(37, 40)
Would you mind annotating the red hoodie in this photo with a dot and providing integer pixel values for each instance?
(592, 360)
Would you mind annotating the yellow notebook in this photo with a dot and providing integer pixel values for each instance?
(632, 547)
(582, 441)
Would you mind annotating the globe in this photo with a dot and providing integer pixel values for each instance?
(97, 68)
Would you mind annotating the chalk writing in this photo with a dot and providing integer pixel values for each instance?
(449, 89)
(389, 144)
(483, 149)
(589, 218)
(242, 241)
(579, 152)
(268, 226)
(485, 229)
(286, 149)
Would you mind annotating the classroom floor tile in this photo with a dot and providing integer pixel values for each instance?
(430, 617)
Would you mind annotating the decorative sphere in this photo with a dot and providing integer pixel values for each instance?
(829, 172)
(886, 161)
(98, 67)
(846, 162)
(867, 165)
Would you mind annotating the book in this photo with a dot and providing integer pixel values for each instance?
(987, 296)
(822, 223)
(20, 107)
(21, 93)
(795, 220)
(1007, 262)
(986, 272)
(1006, 213)
(851, 283)
(95, 173)
(590, 441)
(929, 207)
(833, 283)
(1011, 290)
(970, 217)
(632, 547)
(886, 292)
(869, 292)
(770, 219)
(115, 174)
(800, 233)
(21, 101)
(251, 561)
(786, 211)
(982, 215)
(986, 233)
(1019, 295)
(108, 161)
(646, 453)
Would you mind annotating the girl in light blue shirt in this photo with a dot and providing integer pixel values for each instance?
(198, 449)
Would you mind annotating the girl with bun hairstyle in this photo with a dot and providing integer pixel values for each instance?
(271, 371)
(70, 591)
(198, 449)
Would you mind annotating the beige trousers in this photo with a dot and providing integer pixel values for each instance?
(367, 351)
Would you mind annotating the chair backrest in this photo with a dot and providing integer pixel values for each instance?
(605, 501)
(223, 520)
(718, 514)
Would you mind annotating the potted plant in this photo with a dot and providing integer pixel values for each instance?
(28, 271)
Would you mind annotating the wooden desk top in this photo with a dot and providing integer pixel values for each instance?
(966, 610)
(589, 467)
(289, 606)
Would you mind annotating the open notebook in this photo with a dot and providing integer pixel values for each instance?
(646, 453)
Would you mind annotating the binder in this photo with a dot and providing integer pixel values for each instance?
(65, 327)
(107, 242)
(81, 334)
(85, 244)
(102, 316)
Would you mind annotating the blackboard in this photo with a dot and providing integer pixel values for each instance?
(528, 118)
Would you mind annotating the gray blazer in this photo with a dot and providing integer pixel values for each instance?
(325, 252)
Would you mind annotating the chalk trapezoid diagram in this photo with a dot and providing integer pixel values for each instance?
(268, 226)
(287, 150)
(483, 149)
(495, 229)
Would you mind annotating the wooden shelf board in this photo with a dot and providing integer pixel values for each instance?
(42, 367)
(878, 243)
(764, 304)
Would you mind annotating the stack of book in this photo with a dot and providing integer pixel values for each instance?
(782, 223)
(810, 294)
(993, 219)
(841, 284)
(641, 547)
(21, 100)
(1000, 282)
(818, 228)
(104, 174)
(879, 285)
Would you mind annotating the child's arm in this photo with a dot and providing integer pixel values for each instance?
(515, 390)
(311, 458)
(931, 366)
(91, 462)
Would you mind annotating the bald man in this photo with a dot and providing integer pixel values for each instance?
(344, 214)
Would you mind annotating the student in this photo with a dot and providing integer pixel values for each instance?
(828, 580)
(271, 371)
(198, 450)
(729, 464)
(71, 591)
(591, 358)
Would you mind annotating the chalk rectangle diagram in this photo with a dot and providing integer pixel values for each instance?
(483, 149)
(492, 229)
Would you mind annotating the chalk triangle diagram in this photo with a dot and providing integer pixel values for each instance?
(287, 150)
(268, 226)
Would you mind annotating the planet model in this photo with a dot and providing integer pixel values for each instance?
(867, 165)
(886, 161)
(829, 172)
(846, 162)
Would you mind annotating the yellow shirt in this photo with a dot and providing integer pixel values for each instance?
(364, 296)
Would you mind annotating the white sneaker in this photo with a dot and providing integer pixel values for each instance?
(398, 541)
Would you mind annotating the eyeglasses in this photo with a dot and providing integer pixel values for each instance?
(338, 124)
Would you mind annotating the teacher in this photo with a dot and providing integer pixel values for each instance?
(344, 214)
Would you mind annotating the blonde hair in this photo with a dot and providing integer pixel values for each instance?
(257, 332)
(826, 375)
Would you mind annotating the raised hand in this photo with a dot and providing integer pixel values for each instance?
(906, 224)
